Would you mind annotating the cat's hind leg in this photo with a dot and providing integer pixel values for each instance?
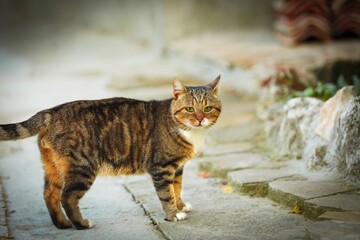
(77, 182)
(52, 189)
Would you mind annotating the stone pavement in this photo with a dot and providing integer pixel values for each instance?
(227, 187)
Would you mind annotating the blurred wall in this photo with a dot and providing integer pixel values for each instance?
(150, 21)
(23, 20)
(189, 17)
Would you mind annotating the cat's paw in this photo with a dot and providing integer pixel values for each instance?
(84, 224)
(176, 217)
(187, 207)
(64, 224)
(91, 224)
(180, 216)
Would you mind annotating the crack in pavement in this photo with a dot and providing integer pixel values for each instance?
(4, 199)
(147, 213)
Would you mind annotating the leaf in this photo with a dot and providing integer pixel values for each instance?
(223, 183)
(257, 195)
(329, 90)
(296, 210)
(228, 190)
(356, 81)
(309, 92)
(341, 82)
(204, 174)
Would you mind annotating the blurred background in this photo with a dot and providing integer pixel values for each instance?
(77, 44)
(102, 36)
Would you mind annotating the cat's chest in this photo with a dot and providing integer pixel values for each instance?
(196, 138)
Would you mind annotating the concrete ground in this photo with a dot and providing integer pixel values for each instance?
(226, 206)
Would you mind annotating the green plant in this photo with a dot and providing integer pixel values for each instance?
(325, 91)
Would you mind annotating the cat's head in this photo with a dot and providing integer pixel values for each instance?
(196, 107)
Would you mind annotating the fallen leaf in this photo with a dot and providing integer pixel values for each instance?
(296, 210)
(223, 183)
(228, 190)
(204, 174)
(257, 195)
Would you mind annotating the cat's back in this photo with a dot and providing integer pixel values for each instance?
(104, 115)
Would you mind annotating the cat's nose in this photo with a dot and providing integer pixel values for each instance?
(200, 118)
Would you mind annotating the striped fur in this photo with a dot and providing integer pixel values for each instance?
(80, 140)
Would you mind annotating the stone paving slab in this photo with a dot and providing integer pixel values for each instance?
(219, 166)
(341, 216)
(223, 149)
(346, 202)
(340, 202)
(253, 181)
(242, 133)
(330, 230)
(294, 193)
(218, 215)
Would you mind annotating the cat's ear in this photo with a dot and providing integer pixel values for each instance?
(214, 85)
(178, 88)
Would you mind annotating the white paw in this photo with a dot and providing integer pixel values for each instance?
(180, 216)
(187, 207)
(91, 224)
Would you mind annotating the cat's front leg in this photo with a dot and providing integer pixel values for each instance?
(164, 185)
(182, 206)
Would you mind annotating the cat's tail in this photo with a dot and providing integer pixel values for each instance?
(24, 129)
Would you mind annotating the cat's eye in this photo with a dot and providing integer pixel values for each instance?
(189, 109)
(207, 109)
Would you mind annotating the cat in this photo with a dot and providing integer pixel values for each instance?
(82, 139)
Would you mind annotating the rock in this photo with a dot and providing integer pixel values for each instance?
(314, 154)
(343, 154)
(331, 110)
(316, 148)
(296, 126)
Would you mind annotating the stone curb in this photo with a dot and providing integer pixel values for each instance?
(302, 193)
(256, 181)
(220, 166)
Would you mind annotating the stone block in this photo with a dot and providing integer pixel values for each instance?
(295, 128)
(343, 151)
(294, 193)
(219, 166)
(339, 202)
(252, 181)
(331, 110)
(341, 216)
(346, 202)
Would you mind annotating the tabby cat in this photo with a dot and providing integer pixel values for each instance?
(82, 139)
